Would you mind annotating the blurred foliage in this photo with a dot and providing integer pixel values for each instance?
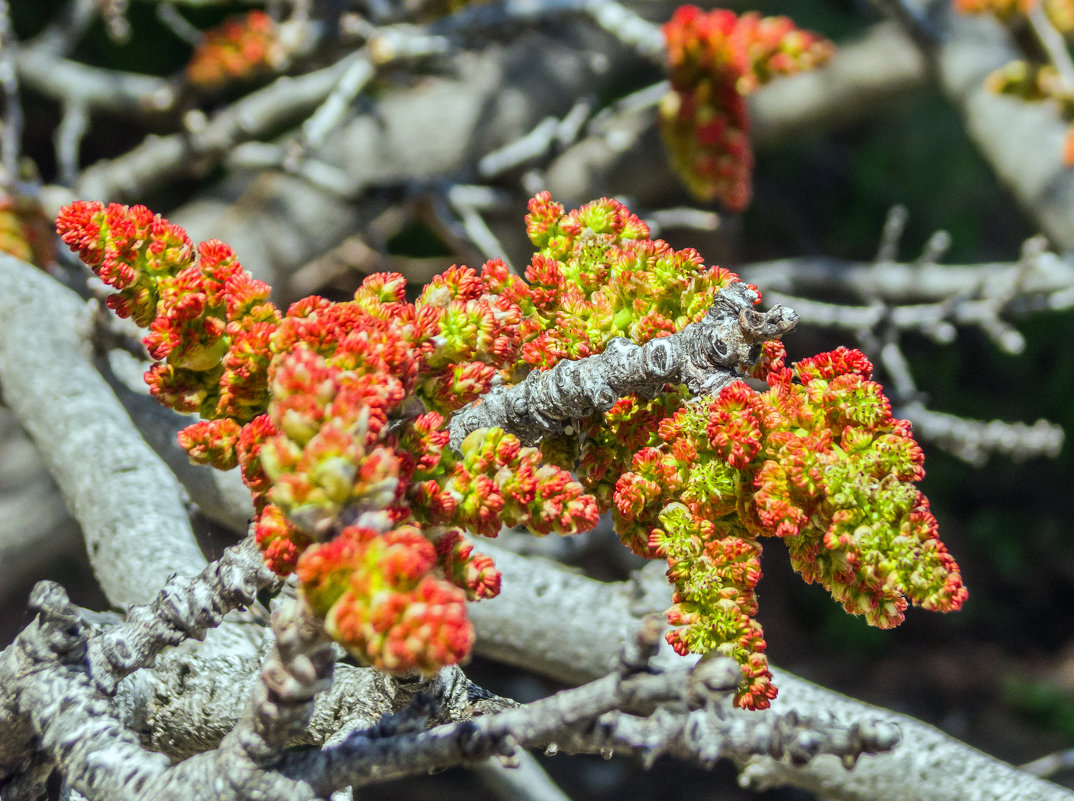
(829, 194)
(1043, 703)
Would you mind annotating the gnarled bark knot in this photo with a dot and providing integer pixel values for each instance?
(705, 356)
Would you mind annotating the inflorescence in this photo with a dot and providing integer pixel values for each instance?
(716, 59)
(240, 48)
(337, 416)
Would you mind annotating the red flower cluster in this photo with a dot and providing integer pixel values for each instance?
(598, 275)
(240, 47)
(336, 414)
(819, 461)
(209, 322)
(715, 60)
(379, 597)
(333, 413)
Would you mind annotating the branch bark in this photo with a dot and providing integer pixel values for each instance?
(129, 504)
(705, 356)
(565, 626)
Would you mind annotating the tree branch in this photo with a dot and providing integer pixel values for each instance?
(184, 608)
(1022, 141)
(1043, 282)
(565, 626)
(128, 93)
(705, 356)
(128, 503)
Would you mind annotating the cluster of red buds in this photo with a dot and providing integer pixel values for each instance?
(337, 415)
(715, 60)
(1034, 79)
(817, 461)
(239, 48)
(25, 229)
(597, 275)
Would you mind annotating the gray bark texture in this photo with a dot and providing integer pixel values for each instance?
(705, 356)
(564, 625)
(137, 532)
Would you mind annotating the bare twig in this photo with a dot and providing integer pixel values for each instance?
(682, 217)
(68, 139)
(178, 24)
(467, 201)
(369, 756)
(527, 148)
(975, 440)
(891, 237)
(1054, 45)
(524, 780)
(11, 140)
(1050, 764)
(207, 141)
(630, 29)
(353, 79)
(184, 608)
(1044, 276)
(69, 81)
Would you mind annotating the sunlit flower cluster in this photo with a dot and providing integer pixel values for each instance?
(715, 60)
(336, 415)
(598, 275)
(240, 47)
(378, 595)
(209, 321)
(818, 461)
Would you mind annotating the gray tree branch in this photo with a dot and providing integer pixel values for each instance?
(1044, 281)
(1022, 141)
(705, 356)
(564, 625)
(128, 503)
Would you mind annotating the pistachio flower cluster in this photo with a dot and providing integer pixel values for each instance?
(818, 461)
(338, 415)
(335, 413)
(239, 48)
(715, 60)
(597, 275)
